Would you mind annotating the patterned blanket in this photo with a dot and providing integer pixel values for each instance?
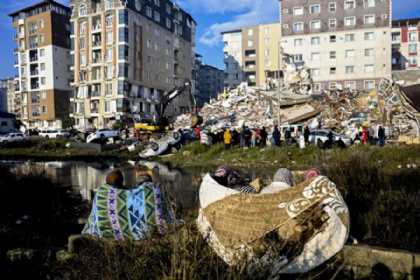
(129, 214)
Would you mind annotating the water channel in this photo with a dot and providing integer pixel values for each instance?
(85, 177)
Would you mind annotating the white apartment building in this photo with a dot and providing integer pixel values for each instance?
(345, 44)
(233, 53)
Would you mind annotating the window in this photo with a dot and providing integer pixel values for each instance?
(149, 12)
(82, 10)
(412, 36)
(250, 43)
(81, 42)
(42, 80)
(108, 89)
(298, 11)
(332, 23)
(316, 56)
(168, 23)
(315, 24)
(157, 3)
(350, 85)
(42, 66)
(108, 20)
(315, 9)
(349, 4)
(157, 16)
(412, 60)
(298, 26)
(349, 21)
(250, 32)
(109, 37)
(332, 7)
(332, 85)
(41, 52)
(369, 52)
(350, 69)
(82, 59)
(396, 36)
(349, 53)
(315, 72)
(109, 4)
(369, 19)
(82, 28)
(315, 41)
(412, 48)
(333, 54)
(168, 9)
(298, 58)
(109, 71)
(109, 54)
(317, 87)
(333, 39)
(369, 68)
(369, 36)
(298, 42)
(369, 84)
(349, 37)
(369, 3)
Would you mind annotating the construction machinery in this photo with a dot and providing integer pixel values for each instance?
(159, 121)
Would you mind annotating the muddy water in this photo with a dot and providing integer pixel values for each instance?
(85, 177)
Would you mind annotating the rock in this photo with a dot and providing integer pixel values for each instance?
(186, 153)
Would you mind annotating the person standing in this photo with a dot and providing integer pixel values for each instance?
(381, 136)
(263, 135)
(365, 136)
(306, 134)
(227, 137)
(253, 138)
(276, 136)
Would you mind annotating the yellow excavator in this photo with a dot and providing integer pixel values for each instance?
(159, 121)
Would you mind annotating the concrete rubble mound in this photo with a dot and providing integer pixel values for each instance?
(345, 111)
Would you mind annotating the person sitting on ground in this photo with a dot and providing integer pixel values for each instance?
(119, 212)
(282, 180)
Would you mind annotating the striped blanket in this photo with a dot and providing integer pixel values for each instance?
(129, 214)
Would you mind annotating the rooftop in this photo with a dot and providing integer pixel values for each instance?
(37, 5)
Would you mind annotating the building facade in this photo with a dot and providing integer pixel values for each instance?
(406, 44)
(210, 84)
(7, 92)
(126, 55)
(252, 54)
(42, 62)
(346, 44)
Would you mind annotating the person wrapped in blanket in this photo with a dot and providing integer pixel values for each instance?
(282, 180)
(119, 212)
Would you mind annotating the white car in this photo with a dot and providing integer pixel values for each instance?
(320, 137)
(12, 137)
(102, 134)
(54, 134)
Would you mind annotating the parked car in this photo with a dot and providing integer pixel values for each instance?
(320, 137)
(12, 137)
(102, 135)
(54, 134)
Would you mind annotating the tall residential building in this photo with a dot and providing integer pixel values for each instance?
(7, 92)
(42, 62)
(346, 44)
(406, 44)
(210, 83)
(127, 54)
(252, 54)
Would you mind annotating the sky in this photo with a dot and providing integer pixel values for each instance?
(212, 17)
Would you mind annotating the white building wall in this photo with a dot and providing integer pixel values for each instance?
(233, 58)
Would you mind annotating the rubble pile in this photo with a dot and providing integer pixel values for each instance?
(253, 108)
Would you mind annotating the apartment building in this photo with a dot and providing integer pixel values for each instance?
(252, 54)
(42, 64)
(346, 43)
(210, 83)
(406, 44)
(127, 53)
